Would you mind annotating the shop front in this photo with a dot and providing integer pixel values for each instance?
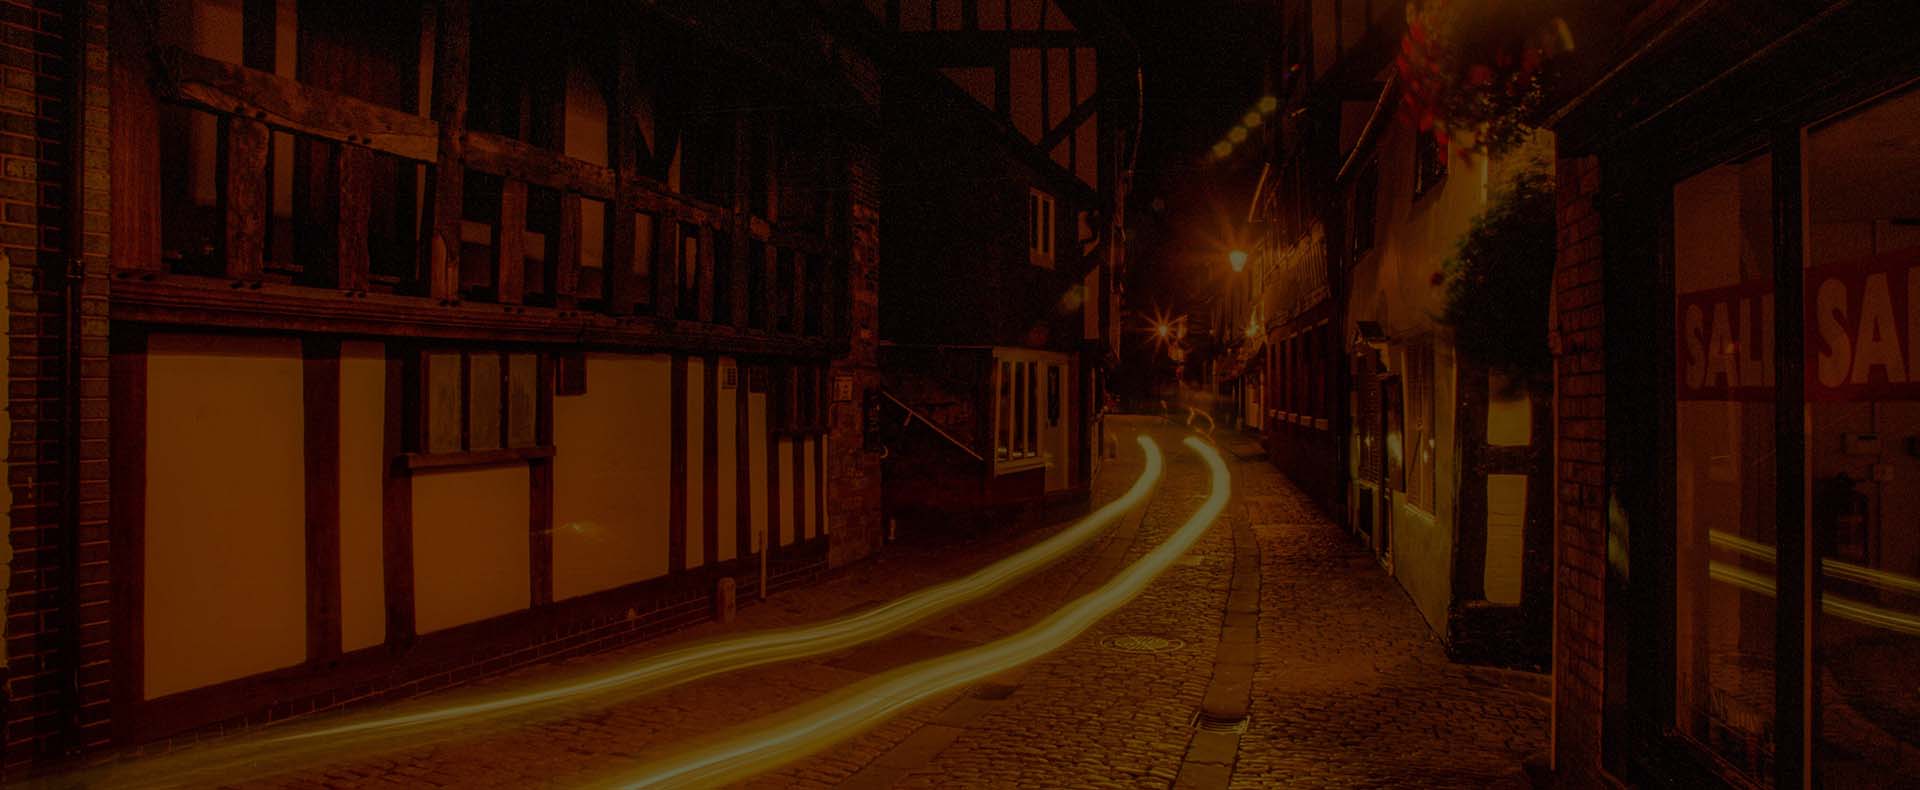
(1759, 223)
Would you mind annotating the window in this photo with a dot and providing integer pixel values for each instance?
(688, 308)
(1040, 230)
(1429, 162)
(1421, 446)
(1016, 411)
(478, 401)
(1862, 279)
(799, 398)
(1723, 463)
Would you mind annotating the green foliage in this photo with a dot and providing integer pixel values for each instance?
(1500, 280)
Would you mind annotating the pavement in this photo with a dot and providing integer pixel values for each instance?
(1311, 666)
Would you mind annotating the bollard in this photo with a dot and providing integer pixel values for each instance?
(723, 600)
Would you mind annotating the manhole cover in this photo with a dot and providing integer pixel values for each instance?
(1136, 643)
(1204, 722)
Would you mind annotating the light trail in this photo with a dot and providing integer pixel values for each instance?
(1846, 608)
(781, 738)
(280, 750)
(1885, 580)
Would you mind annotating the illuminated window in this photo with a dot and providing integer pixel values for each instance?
(1040, 229)
(1421, 446)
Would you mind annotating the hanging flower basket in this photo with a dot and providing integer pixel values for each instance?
(1476, 73)
(1500, 280)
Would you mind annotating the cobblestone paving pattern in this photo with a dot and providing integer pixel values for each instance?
(1351, 689)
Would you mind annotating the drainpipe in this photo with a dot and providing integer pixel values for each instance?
(73, 274)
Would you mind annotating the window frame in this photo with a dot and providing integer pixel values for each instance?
(420, 447)
(1042, 227)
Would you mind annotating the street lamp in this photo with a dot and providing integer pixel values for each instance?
(1238, 258)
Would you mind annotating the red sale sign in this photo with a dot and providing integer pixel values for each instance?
(1862, 334)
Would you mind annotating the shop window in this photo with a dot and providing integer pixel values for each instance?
(477, 401)
(1421, 446)
(1040, 229)
(1862, 280)
(1724, 458)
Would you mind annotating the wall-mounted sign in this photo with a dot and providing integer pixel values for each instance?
(842, 388)
(729, 377)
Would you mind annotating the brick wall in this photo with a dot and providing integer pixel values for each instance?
(853, 473)
(57, 688)
(1580, 523)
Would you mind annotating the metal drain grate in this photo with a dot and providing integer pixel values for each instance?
(1138, 643)
(1203, 722)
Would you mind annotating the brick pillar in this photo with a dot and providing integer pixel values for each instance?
(1580, 517)
(853, 472)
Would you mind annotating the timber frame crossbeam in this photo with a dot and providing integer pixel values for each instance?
(500, 248)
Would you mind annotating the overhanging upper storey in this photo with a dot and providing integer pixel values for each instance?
(1046, 68)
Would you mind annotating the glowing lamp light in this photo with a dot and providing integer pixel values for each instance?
(1163, 330)
(1253, 120)
(1269, 104)
(1222, 149)
(1238, 258)
(1239, 134)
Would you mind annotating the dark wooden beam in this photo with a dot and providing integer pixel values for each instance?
(403, 392)
(566, 269)
(353, 179)
(243, 197)
(710, 460)
(505, 156)
(185, 300)
(743, 464)
(625, 288)
(509, 243)
(540, 526)
(284, 103)
(321, 388)
(677, 466)
(451, 41)
(127, 420)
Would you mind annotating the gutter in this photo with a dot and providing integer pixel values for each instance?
(73, 275)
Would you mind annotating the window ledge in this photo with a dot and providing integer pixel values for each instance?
(511, 455)
(1018, 465)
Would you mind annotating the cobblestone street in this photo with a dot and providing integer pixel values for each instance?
(1349, 688)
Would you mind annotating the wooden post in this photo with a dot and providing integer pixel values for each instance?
(666, 265)
(622, 286)
(451, 45)
(566, 280)
(707, 307)
(353, 180)
(243, 194)
(740, 225)
(509, 248)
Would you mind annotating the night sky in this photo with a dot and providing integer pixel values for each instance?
(1203, 63)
